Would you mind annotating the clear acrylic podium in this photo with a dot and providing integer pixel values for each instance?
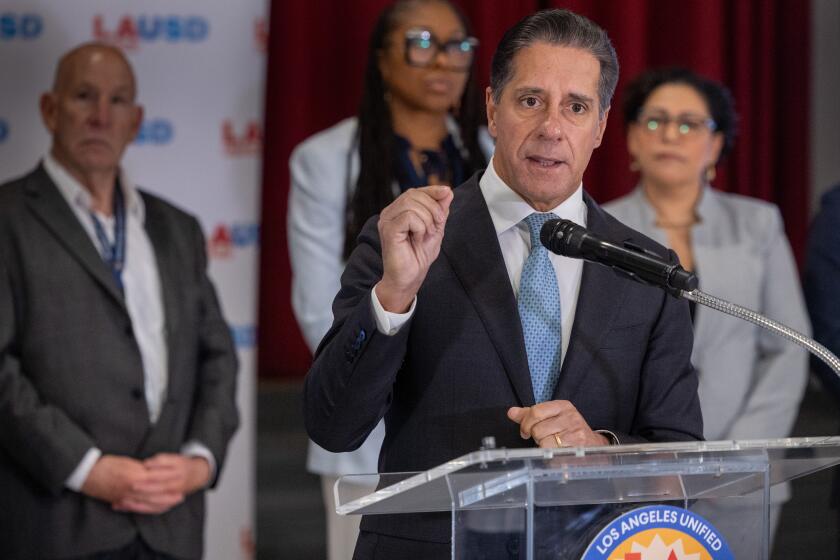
(551, 503)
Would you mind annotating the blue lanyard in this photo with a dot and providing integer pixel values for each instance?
(113, 254)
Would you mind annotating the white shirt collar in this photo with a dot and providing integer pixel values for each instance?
(508, 209)
(75, 193)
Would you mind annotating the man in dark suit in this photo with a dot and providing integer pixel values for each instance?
(454, 323)
(117, 370)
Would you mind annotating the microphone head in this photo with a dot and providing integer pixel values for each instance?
(547, 233)
(562, 237)
(684, 280)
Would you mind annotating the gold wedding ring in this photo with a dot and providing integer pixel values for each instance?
(558, 440)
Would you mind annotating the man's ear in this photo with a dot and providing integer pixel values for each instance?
(602, 126)
(48, 105)
(491, 112)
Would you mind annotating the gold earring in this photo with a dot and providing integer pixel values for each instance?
(711, 173)
(634, 166)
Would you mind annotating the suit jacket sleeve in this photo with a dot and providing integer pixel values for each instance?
(781, 370)
(668, 408)
(40, 437)
(348, 389)
(214, 415)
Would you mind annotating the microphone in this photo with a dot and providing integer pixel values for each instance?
(569, 239)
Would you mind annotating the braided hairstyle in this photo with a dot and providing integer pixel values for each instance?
(375, 136)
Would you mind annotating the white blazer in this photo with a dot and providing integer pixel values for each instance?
(324, 169)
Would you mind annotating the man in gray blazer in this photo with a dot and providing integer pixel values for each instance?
(117, 370)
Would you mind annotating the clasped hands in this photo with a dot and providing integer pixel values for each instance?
(152, 486)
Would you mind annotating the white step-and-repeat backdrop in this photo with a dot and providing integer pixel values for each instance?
(201, 74)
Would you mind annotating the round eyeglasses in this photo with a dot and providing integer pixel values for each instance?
(422, 47)
(687, 125)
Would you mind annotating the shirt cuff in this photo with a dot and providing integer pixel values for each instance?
(79, 475)
(611, 437)
(390, 323)
(194, 448)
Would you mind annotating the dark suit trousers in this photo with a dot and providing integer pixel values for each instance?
(373, 546)
(135, 550)
(560, 532)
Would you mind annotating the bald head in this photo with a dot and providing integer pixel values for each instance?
(91, 112)
(93, 53)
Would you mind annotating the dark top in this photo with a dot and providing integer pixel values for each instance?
(446, 164)
(822, 283)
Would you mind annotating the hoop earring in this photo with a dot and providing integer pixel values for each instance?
(711, 173)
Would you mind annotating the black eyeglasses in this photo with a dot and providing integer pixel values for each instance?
(687, 125)
(421, 48)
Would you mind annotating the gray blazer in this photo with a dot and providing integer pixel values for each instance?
(751, 381)
(71, 375)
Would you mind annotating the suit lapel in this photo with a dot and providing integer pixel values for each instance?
(599, 302)
(46, 202)
(472, 249)
(167, 265)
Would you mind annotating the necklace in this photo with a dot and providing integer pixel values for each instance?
(675, 225)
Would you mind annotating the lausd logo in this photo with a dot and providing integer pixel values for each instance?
(261, 34)
(658, 533)
(23, 26)
(244, 336)
(155, 132)
(247, 142)
(4, 130)
(225, 239)
(130, 31)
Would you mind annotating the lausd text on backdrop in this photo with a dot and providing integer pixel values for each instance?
(200, 68)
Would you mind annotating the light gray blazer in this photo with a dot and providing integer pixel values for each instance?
(751, 381)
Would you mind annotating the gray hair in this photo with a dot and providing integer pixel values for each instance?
(562, 28)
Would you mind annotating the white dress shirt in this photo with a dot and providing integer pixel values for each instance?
(143, 297)
(507, 210)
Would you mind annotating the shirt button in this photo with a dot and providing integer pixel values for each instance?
(136, 394)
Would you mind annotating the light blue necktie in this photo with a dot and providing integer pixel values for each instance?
(539, 311)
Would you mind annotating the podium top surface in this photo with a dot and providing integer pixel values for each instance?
(491, 478)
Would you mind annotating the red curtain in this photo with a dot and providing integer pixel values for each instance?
(759, 48)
